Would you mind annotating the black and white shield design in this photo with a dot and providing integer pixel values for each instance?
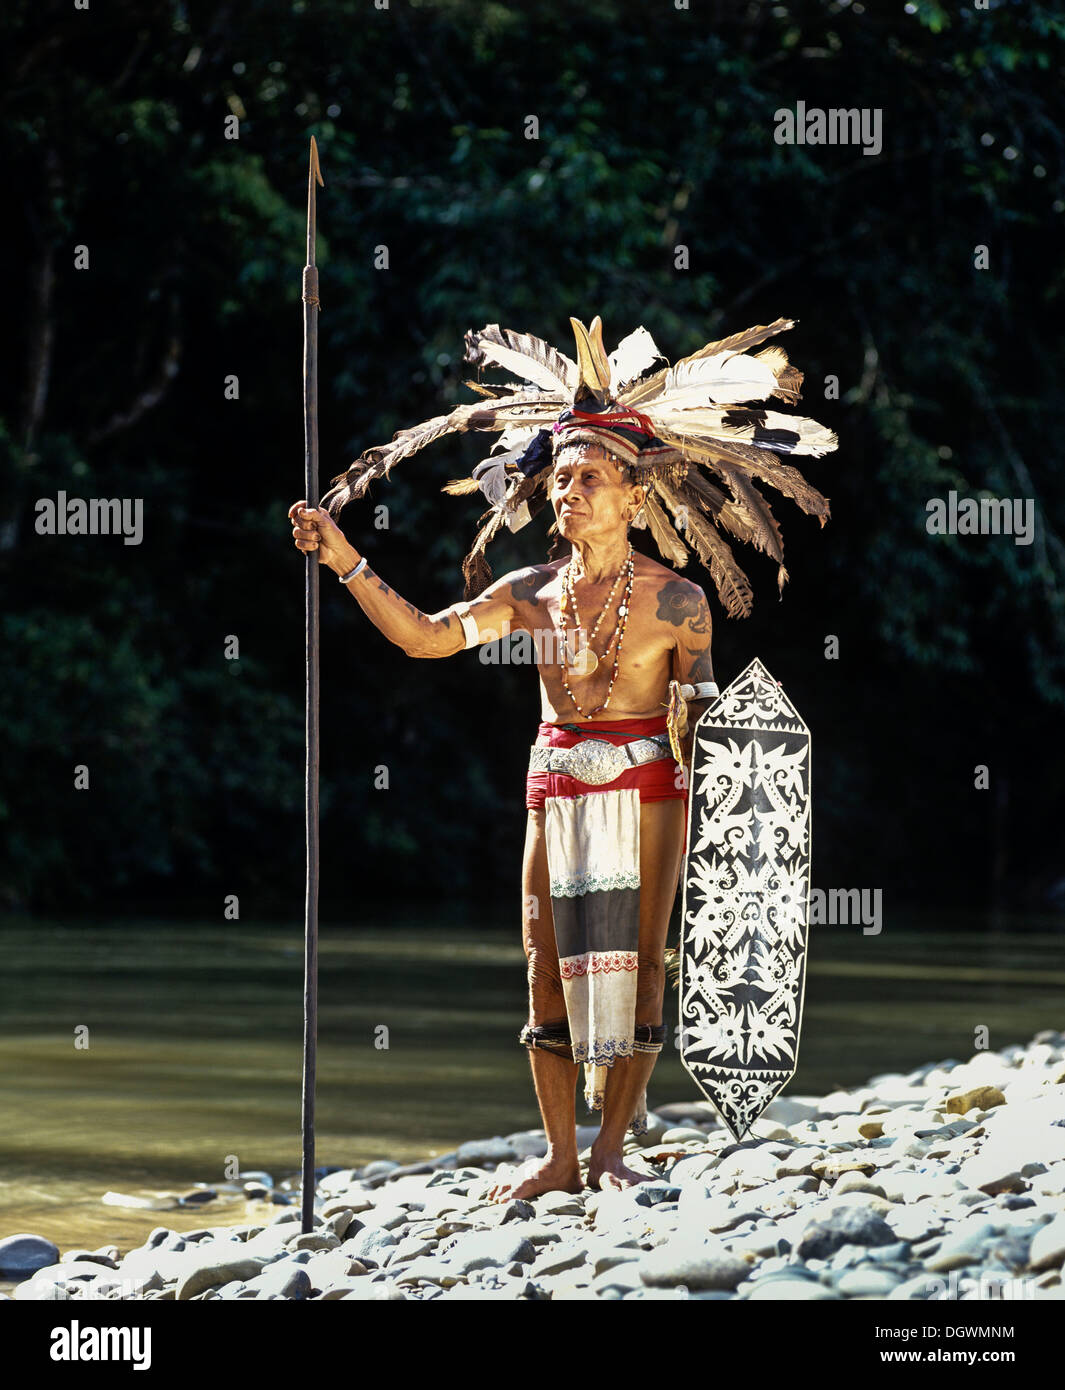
(746, 897)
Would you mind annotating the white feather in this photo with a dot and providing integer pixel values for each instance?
(631, 358)
(720, 380)
(522, 365)
(708, 423)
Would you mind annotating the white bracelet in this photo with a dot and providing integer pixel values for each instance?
(705, 690)
(469, 624)
(352, 573)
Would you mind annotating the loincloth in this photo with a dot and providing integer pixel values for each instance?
(593, 856)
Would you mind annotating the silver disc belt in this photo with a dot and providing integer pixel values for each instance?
(594, 761)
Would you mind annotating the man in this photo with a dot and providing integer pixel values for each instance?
(599, 996)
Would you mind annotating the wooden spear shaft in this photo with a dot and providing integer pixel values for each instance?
(310, 485)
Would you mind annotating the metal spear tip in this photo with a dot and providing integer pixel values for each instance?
(316, 168)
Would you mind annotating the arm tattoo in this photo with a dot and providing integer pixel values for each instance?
(680, 602)
(701, 668)
(383, 587)
(526, 587)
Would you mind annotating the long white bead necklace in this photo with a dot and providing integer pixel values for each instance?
(585, 661)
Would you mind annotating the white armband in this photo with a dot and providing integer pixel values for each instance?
(705, 690)
(469, 624)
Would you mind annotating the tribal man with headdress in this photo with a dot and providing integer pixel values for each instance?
(622, 644)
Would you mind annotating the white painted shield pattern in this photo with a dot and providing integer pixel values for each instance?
(746, 898)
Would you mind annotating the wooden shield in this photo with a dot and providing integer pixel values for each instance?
(746, 897)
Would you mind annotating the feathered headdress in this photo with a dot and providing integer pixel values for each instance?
(682, 432)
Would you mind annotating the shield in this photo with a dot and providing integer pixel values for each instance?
(746, 897)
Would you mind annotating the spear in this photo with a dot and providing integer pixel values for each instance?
(310, 582)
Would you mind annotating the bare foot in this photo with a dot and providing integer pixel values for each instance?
(536, 1176)
(608, 1171)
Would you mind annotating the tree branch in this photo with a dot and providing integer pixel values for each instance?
(167, 369)
(41, 344)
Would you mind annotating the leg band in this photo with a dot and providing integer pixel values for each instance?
(551, 1037)
(649, 1037)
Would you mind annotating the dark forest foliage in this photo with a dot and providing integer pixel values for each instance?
(655, 131)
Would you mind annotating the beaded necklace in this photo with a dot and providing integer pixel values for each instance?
(586, 662)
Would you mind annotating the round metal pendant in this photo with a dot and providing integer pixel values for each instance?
(584, 662)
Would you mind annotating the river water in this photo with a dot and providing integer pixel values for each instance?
(194, 1036)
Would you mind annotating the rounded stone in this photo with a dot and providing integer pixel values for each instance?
(479, 1152)
(795, 1290)
(1048, 1246)
(314, 1240)
(695, 1267)
(285, 1279)
(683, 1134)
(379, 1168)
(851, 1225)
(976, 1098)
(855, 1181)
(868, 1282)
(25, 1254)
(210, 1275)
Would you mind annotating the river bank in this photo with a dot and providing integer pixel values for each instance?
(195, 1052)
(945, 1182)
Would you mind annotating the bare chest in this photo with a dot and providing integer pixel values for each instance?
(600, 624)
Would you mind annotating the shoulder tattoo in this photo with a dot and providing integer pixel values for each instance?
(680, 602)
(527, 586)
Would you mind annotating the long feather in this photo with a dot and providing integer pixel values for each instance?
(764, 528)
(486, 388)
(767, 536)
(746, 338)
(459, 487)
(523, 354)
(708, 496)
(737, 520)
(633, 356)
(747, 517)
(525, 416)
(739, 379)
(766, 429)
(732, 584)
(709, 500)
(379, 460)
(650, 387)
(475, 568)
(670, 545)
(478, 415)
(757, 463)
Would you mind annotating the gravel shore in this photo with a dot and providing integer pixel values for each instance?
(945, 1183)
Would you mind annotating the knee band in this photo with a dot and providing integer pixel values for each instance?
(649, 1037)
(551, 1037)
